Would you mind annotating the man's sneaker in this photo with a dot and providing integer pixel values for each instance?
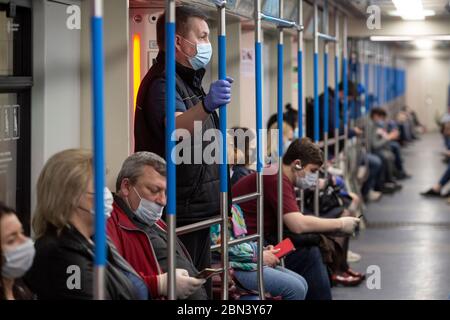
(353, 257)
(431, 193)
(374, 195)
(345, 280)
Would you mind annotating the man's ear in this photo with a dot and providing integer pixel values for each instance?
(178, 41)
(298, 165)
(125, 187)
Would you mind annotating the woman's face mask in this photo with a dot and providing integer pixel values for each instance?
(108, 204)
(18, 260)
(148, 211)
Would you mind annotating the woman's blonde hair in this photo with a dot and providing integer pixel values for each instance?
(63, 180)
(272, 148)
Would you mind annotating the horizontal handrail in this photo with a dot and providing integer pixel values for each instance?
(235, 242)
(327, 37)
(198, 225)
(330, 141)
(245, 198)
(281, 22)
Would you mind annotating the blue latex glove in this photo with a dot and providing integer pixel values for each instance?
(219, 94)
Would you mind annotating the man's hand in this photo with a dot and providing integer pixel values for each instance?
(394, 135)
(219, 94)
(358, 131)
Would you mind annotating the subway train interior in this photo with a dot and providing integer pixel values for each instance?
(225, 150)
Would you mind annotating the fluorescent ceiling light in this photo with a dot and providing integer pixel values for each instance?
(442, 37)
(426, 13)
(391, 38)
(424, 44)
(411, 9)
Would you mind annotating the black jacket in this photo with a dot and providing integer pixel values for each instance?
(52, 274)
(197, 184)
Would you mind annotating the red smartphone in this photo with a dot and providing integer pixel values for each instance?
(286, 246)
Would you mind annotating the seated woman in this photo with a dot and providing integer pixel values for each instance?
(141, 236)
(63, 267)
(16, 256)
(278, 281)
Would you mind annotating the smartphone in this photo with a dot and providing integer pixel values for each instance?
(286, 246)
(208, 273)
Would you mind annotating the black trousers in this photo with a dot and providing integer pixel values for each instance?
(198, 244)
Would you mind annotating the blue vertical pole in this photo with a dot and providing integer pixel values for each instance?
(98, 74)
(280, 50)
(316, 75)
(336, 88)
(170, 143)
(366, 85)
(300, 70)
(326, 94)
(326, 110)
(345, 83)
(224, 163)
(259, 144)
(345, 80)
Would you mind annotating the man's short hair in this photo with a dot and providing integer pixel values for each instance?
(378, 112)
(304, 150)
(182, 16)
(133, 166)
(352, 91)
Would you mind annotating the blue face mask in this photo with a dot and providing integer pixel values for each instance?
(203, 56)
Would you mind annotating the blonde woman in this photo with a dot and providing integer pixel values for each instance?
(272, 147)
(63, 267)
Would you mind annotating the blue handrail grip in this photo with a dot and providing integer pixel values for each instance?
(316, 98)
(325, 89)
(223, 115)
(345, 84)
(98, 72)
(258, 88)
(336, 93)
(366, 85)
(300, 92)
(280, 50)
(170, 116)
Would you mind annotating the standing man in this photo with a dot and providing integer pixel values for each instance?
(198, 192)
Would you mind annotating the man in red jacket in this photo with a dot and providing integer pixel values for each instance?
(140, 235)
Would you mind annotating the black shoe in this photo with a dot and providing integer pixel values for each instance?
(393, 185)
(403, 176)
(387, 189)
(431, 193)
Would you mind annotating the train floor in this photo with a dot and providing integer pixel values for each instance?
(407, 236)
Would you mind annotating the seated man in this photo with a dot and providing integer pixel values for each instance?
(300, 164)
(380, 144)
(140, 235)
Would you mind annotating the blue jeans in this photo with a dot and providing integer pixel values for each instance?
(308, 263)
(375, 166)
(446, 177)
(395, 148)
(278, 281)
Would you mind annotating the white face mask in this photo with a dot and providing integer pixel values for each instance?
(149, 212)
(203, 55)
(307, 182)
(108, 203)
(18, 260)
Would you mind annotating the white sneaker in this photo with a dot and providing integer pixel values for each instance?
(374, 195)
(353, 257)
